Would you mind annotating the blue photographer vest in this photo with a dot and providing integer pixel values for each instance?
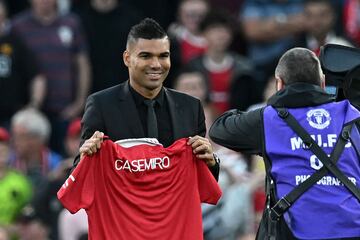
(327, 209)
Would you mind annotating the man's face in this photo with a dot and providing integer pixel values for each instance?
(320, 18)
(192, 84)
(218, 38)
(148, 62)
(43, 6)
(191, 13)
(25, 143)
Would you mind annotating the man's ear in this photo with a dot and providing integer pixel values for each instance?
(279, 83)
(126, 58)
(322, 82)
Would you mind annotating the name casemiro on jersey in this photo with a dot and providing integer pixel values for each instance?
(320, 119)
(141, 165)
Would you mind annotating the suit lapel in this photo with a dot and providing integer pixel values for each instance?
(175, 114)
(130, 115)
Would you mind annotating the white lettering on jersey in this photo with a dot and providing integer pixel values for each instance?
(66, 184)
(140, 165)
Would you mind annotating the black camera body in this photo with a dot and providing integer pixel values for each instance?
(341, 66)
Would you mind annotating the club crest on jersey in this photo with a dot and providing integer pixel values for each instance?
(318, 118)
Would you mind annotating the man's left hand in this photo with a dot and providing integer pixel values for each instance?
(202, 149)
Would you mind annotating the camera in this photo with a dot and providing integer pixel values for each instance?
(341, 66)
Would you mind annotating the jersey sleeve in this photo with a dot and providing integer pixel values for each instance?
(209, 189)
(78, 190)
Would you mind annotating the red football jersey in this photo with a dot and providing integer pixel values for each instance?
(219, 88)
(141, 192)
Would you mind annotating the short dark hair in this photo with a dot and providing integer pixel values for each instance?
(148, 28)
(217, 18)
(299, 65)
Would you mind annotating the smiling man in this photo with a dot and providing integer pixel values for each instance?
(139, 180)
(142, 107)
(148, 61)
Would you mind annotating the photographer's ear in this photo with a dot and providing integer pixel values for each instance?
(279, 83)
(322, 81)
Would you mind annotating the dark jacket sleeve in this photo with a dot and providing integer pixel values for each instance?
(202, 132)
(239, 131)
(91, 122)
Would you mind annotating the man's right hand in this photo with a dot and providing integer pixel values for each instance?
(91, 145)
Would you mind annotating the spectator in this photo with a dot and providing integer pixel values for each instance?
(186, 30)
(60, 48)
(48, 206)
(351, 21)
(30, 226)
(72, 140)
(239, 43)
(31, 131)
(321, 17)
(21, 83)
(224, 70)
(231, 217)
(270, 27)
(194, 83)
(106, 24)
(15, 189)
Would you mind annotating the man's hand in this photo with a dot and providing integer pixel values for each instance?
(202, 149)
(91, 145)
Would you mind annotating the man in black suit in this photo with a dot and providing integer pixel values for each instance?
(121, 112)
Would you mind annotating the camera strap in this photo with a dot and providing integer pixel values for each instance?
(329, 164)
(356, 142)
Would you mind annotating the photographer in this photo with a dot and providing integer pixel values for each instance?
(290, 161)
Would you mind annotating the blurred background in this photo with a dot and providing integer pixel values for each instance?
(54, 53)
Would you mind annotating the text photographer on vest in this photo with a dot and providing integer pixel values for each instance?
(300, 125)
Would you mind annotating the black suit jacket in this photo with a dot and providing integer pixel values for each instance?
(113, 111)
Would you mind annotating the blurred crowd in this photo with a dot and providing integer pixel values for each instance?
(54, 53)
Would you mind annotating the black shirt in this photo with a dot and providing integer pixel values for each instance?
(107, 36)
(165, 132)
